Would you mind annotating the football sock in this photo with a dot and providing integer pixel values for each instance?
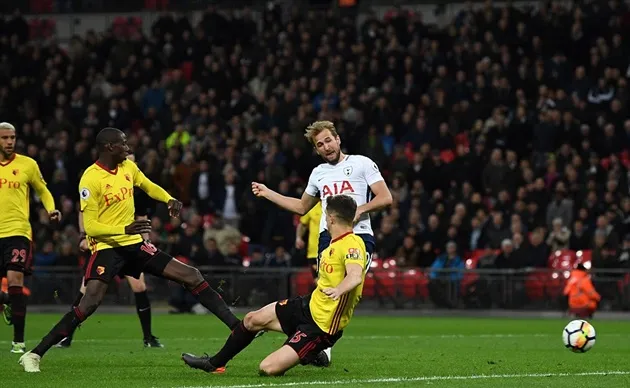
(211, 300)
(236, 342)
(62, 329)
(4, 298)
(143, 307)
(74, 305)
(18, 306)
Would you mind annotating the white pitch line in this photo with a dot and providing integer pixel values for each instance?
(346, 337)
(394, 380)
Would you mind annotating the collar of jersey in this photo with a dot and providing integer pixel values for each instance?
(341, 237)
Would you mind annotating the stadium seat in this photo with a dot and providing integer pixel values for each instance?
(535, 285)
(584, 257)
(369, 285)
(562, 260)
(414, 284)
(302, 283)
(385, 282)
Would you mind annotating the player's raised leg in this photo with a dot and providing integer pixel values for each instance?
(165, 266)
(143, 308)
(94, 293)
(242, 335)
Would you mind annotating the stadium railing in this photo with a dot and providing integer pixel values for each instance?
(399, 288)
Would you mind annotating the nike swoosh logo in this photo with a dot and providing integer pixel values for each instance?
(320, 179)
(145, 309)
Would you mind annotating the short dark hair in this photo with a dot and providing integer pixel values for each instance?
(106, 136)
(343, 207)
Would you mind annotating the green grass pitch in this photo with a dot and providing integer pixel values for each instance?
(375, 352)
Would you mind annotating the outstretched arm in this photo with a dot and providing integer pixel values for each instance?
(299, 206)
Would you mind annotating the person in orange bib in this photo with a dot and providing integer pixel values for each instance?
(583, 298)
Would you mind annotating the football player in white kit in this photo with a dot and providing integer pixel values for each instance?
(353, 175)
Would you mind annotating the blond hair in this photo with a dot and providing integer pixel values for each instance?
(5, 125)
(318, 127)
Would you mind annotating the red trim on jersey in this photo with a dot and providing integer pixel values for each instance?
(113, 172)
(340, 237)
(6, 163)
(341, 307)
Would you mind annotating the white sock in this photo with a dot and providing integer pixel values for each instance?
(328, 353)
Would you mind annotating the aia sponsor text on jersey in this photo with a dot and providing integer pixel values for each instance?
(337, 188)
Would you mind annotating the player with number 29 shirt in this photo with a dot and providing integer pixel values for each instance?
(18, 174)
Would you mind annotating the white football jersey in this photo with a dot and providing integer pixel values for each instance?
(352, 176)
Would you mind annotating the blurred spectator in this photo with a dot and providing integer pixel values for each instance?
(223, 234)
(445, 276)
(538, 250)
(559, 235)
(580, 237)
(508, 258)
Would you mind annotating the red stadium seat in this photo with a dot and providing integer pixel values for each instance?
(302, 283)
(385, 282)
(563, 260)
(554, 285)
(584, 257)
(535, 285)
(368, 285)
(414, 284)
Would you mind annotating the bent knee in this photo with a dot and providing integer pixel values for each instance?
(253, 321)
(268, 368)
(192, 277)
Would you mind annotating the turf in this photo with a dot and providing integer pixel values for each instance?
(375, 352)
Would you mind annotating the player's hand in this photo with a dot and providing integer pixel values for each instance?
(55, 215)
(83, 245)
(259, 189)
(299, 243)
(174, 207)
(138, 227)
(357, 215)
(332, 293)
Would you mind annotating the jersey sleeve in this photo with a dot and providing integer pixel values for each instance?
(39, 184)
(354, 254)
(154, 191)
(311, 187)
(371, 172)
(89, 193)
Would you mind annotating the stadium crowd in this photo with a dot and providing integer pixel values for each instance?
(506, 129)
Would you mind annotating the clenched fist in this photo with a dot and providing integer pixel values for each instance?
(259, 189)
